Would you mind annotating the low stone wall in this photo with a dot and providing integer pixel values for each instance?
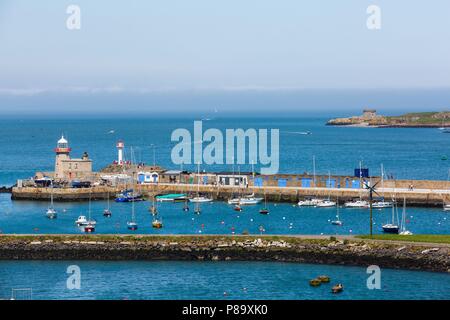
(226, 248)
(63, 194)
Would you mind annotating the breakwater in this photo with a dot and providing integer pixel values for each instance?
(320, 250)
(425, 194)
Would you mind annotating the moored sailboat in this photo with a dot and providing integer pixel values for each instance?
(403, 230)
(327, 203)
(107, 212)
(51, 212)
(381, 203)
(392, 227)
(199, 198)
(338, 221)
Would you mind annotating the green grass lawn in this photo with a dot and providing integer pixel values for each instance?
(433, 238)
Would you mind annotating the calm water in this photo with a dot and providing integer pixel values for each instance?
(27, 145)
(211, 280)
(216, 218)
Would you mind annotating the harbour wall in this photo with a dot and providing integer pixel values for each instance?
(416, 197)
(341, 251)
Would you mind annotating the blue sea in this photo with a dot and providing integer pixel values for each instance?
(212, 280)
(28, 217)
(27, 147)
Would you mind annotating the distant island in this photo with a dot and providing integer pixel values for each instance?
(370, 118)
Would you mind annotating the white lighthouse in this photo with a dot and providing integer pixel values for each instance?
(120, 145)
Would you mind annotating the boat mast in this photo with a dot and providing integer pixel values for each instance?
(132, 181)
(314, 170)
(51, 195)
(403, 226)
(360, 180)
(382, 179)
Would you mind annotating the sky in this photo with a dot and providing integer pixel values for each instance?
(200, 55)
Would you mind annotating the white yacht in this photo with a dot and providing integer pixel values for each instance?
(382, 204)
(200, 199)
(83, 221)
(249, 200)
(357, 204)
(246, 200)
(312, 202)
(326, 204)
(233, 201)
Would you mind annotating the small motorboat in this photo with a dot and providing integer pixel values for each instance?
(324, 279)
(51, 213)
(89, 228)
(249, 201)
(264, 211)
(171, 197)
(132, 225)
(200, 199)
(237, 208)
(157, 224)
(129, 196)
(382, 204)
(337, 288)
(326, 204)
(107, 213)
(357, 204)
(233, 201)
(447, 207)
(246, 200)
(83, 221)
(310, 202)
(315, 282)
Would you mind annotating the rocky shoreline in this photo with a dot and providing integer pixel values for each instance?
(4, 189)
(341, 251)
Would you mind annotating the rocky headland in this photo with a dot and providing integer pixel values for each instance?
(370, 118)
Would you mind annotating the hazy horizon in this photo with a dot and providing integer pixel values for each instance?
(262, 56)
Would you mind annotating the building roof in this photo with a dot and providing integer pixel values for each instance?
(227, 173)
(173, 172)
